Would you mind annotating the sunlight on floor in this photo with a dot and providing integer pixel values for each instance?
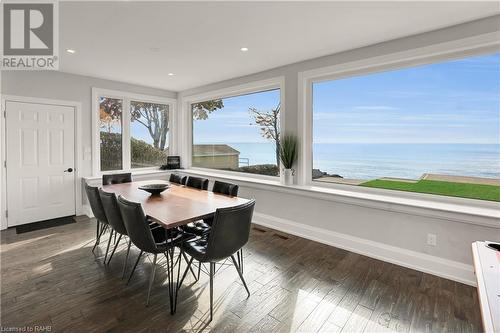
(22, 243)
(42, 269)
(304, 304)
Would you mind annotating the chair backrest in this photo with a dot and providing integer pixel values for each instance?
(178, 179)
(230, 231)
(197, 182)
(225, 188)
(117, 178)
(112, 211)
(137, 225)
(96, 203)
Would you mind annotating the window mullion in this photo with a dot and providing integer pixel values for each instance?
(126, 163)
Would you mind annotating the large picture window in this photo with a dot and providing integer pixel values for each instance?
(133, 132)
(239, 133)
(149, 134)
(110, 133)
(430, 129)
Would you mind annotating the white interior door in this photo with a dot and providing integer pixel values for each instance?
(40, 162)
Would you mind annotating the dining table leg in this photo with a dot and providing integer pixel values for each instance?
(173, 281)
(169, 279)
(178, 277)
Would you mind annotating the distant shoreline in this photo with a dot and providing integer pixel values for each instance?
(399, 160)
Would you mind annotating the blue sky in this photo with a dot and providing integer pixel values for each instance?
(233, 123)
(449, 102)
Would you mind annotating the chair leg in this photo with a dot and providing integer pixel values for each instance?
(179, 284)
(212, 270)
(190, 268)
(102, 228)
(96, 237)
(241, 260)
(126, 258)
(199, 270)
(109, 242)
(240, 274)
(97, 234)
(133, 269)
(151, 277)
(114, 248)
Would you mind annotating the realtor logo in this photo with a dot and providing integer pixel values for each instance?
(30, 36)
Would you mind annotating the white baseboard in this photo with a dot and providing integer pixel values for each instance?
(445, 268)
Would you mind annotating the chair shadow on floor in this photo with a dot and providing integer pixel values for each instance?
(66, 286)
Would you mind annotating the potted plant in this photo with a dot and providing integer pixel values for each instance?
(288, 156)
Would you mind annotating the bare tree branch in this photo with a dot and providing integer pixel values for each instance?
(269, 122)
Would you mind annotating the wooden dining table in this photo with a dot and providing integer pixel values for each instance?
(176, 206)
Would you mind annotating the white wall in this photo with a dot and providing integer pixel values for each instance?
(63, 86)
(388, 235)
(391, 235)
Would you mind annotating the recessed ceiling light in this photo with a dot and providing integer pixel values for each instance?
(170, 74)
(244, 49)
(70, 51)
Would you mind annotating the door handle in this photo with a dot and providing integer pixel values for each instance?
(69, 170)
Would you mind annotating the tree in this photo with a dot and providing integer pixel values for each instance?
(269, 122)
(201, 110)
(155, 118)
(109, 112)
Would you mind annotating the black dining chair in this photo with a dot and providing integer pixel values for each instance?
(99, 214)
(150, 240)
(117, 178)
(230, 232)
(225, 188)
(231, 190)
(199, 227)
(177, 179)
(115, 220)
(197, 182)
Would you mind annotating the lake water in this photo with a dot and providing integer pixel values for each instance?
(369, 161)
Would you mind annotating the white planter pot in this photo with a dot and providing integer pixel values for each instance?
(287, 177)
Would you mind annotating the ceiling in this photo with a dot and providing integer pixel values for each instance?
(141, 42)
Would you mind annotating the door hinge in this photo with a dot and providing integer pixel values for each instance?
(4, 114)
(5, 164)
(6, 213)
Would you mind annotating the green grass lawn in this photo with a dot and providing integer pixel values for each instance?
(463, 190)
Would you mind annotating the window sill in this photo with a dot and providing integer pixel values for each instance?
(482, 213)
(448, 208)
(137, 174)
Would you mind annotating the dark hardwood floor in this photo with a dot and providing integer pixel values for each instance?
(51, 278)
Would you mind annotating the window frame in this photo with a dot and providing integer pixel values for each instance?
(455, 50)
(186, 140)
(127, 97)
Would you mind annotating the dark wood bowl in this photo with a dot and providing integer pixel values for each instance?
(154, 189)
